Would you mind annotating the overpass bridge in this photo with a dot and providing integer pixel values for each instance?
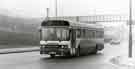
(95, 18)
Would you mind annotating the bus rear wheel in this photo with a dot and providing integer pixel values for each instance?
(95, 50)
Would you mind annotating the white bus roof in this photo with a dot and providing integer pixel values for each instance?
(74, 24)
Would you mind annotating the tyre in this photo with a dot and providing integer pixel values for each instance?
(94, 51)
(52, 55)
(99, 47)
(78, 52)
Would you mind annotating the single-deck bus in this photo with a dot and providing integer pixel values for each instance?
(63, 37)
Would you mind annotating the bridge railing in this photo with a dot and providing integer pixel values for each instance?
(95, 18)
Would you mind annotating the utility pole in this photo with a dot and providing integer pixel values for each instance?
(130, 29)
(56, 8)
(47, 13)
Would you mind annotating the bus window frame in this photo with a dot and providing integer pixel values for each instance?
(99, 34)
(78, 33)
(66, 27)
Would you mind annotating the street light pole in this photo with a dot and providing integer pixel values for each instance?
(130, 29)
(47, 13)
(56, 9)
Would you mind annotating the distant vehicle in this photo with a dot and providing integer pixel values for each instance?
(115, 42)
(66, 38)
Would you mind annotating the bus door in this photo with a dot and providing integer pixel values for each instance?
(73, 38)
(73, 42)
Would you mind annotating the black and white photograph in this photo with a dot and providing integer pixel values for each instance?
(67, 34)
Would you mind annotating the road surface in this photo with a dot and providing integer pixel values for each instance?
(33, 60)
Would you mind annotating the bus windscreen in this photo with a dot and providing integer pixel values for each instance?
(55, 34)
(55, 23)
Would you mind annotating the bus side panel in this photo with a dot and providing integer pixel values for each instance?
(100, 43)
(87, 46)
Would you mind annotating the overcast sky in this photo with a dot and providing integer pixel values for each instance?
(37, 8)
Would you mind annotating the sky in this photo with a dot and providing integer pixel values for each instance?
(37, 8)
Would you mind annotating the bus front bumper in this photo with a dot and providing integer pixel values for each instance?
(54, 50)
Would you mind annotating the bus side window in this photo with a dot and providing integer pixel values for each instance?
(90, 34)
(96, 34)
(102, 34)
(93, 34)
(99, 34)
(78, 33)
(82, 33)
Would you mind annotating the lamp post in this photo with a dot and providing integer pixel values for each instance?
(47, 13)
(56, 8)
(130, 29)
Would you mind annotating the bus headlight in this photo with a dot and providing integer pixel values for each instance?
(64, 46)
(42, 42)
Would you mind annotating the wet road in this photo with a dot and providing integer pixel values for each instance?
(33, 60)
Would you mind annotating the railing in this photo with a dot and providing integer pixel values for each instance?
(94, 18)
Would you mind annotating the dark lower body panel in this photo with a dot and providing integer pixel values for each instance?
(56, 51)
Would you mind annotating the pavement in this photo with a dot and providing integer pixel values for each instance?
(122, 60)
(33, 60)
(18, 50)
(112, 57)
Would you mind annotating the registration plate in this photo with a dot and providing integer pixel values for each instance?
(52, 52)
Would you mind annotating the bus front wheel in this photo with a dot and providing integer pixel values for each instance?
(78, 51)
(52, 55)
